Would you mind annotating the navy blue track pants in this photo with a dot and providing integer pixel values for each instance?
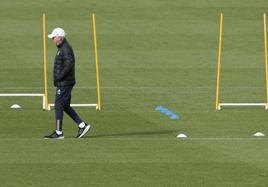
(62, 104)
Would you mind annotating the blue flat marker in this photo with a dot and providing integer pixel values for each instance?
(167, 112)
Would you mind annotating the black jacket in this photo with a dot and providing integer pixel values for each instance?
(64, 65)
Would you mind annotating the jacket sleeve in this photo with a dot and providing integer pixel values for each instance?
(68, 63)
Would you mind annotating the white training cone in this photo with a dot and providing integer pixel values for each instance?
(258, 134)
(181, 136)
(15, 106)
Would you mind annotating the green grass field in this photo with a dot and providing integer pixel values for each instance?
(151, 53)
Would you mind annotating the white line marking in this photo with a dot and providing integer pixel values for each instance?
(138, 139)
(129, 87)
(225, 139)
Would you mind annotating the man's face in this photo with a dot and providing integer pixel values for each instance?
(57, 40)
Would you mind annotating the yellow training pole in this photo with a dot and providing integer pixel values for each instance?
(219, 64)
(96, 60)
(45, 61)
(265, 56)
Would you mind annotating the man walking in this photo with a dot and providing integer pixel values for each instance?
(64, 80)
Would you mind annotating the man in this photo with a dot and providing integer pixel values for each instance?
(64, 80)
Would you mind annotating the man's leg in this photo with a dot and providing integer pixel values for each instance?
(68, 109)
(59, 102)
(83, 128)
(71, 112)
(59, 108)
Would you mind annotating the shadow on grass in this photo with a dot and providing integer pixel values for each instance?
(133, 134)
